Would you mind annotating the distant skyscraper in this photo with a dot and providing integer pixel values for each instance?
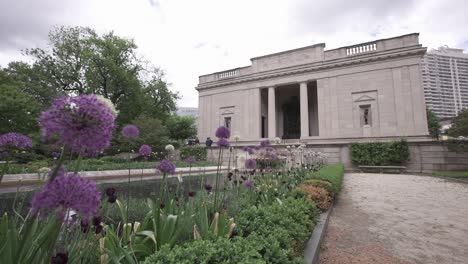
(187, 111)
(445, 81)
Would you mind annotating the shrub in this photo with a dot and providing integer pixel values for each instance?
(320, 196)
(289, 223)
(331, 173)
(222, 250)
(320, 183)
(199, 153)
(380, 153)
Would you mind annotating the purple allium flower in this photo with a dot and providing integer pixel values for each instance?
(223, 132)
(166, 167)
(190, 160)
(248, 184)
(273, 156)
(251, 151)
(60, 258)
(192, 193)
(110, 191)
(67, 192)
(84, 224)
(14, 140)
(250, 164)
(265, 143)
(130, 131)
(112, 199)
(145, 150)
(97, 220)
(98, 229)
(245, 148)
(83, 122)
(222, 142)
(269, 149)
(257, 147)
(208, 187)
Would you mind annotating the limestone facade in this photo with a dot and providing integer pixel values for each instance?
(366, 91)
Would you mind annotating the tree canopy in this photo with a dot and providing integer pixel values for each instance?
(460, 125)
(433, 123)
(78, 60)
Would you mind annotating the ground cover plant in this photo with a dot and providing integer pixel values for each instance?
(451, 174)
(249, 215)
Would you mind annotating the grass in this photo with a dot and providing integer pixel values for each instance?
(97, 165)
(451, 174)
(332, 173)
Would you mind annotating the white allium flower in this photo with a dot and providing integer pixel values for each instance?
(169, 147)
(277, 140)
(108, 103)
(236, 137)
(44, 170)
(288, 147)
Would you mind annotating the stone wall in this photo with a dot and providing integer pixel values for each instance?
(425, 157)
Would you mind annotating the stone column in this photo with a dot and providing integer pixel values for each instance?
(304, 110)
(271, 113)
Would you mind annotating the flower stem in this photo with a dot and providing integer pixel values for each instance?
(217, 179)
(59, 163)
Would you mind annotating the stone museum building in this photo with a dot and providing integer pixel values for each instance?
(365, 91)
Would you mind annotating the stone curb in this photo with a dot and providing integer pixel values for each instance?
(311, 253)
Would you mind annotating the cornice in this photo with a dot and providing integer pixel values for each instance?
(416, 50)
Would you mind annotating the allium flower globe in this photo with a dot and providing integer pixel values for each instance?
(169, 147)
(245, 148)
(145, 150)
(67, 192)
(265, 143)
(130, 131)
(166, 167)
(190, 160)
(222, 142)
(223, 132)
(248, 184)
(14, 140)
(83, 123)
(250, 164)
(109, 104)
(236, 137)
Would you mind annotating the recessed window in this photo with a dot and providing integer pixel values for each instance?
(227, 122)
(366, 115)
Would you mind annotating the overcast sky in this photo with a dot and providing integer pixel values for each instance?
(188, 38)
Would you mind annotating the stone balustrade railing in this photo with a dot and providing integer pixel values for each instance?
(227, 74)
(361, 49)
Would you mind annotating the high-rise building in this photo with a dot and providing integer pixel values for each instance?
(445, 81)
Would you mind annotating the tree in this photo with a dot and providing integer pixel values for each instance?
(181, 127)
(78, 60)
(433, 123)
(460, 125)
(18, 111)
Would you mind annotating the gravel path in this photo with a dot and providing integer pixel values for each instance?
(387, 218)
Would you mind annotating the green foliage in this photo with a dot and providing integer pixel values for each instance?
(289, 222)
(18, 110)
(433, 123)
(222, 250)
(181, 127)
(380, 153)
(80, 61)
(199, 153)
(332, 173)
(451, 174)
(460, 125)
(456, 145)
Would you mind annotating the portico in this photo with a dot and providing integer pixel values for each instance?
(368, 90)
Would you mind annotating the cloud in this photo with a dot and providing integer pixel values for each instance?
(191, 38)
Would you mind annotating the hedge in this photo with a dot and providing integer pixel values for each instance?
(199, 153)
(380, 153)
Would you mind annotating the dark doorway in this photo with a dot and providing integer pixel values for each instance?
(264, 127)
(292, 118)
